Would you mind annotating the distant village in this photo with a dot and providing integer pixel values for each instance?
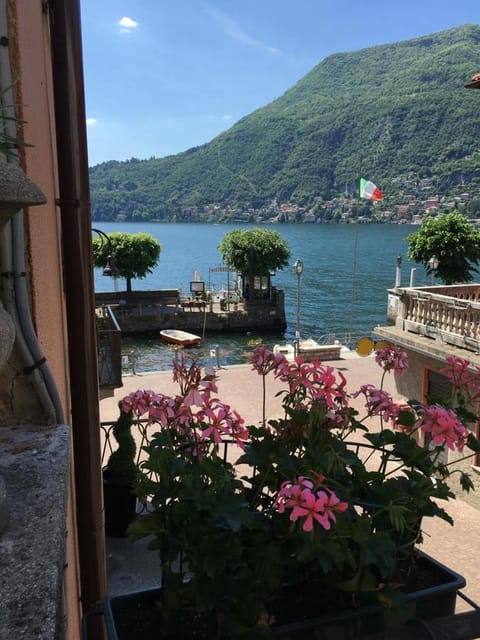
(414, 199)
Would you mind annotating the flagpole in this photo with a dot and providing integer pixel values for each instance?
(354, 273)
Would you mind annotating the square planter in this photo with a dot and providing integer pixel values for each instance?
(136, 616)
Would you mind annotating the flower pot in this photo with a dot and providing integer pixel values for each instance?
(136, 616)
(120, 506)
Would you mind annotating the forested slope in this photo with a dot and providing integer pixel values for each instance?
(379, 112)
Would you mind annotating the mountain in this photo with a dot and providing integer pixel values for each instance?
(382, 112)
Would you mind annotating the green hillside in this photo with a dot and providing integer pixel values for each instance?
(381, 112)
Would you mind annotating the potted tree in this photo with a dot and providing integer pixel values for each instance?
(136, 254)
(254, 253)
(303, 522)
(119, 478)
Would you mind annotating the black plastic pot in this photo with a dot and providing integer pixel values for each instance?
(120, 506)
(135, 616)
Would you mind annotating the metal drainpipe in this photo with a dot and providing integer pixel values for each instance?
(74, 202)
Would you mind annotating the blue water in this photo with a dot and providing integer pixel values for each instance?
(343, 288)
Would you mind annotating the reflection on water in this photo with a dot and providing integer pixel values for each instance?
(151, 354)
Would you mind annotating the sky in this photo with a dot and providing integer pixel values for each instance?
(162, 76)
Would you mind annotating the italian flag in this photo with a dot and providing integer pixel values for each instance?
(369, 191)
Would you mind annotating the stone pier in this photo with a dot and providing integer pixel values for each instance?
(143, 312)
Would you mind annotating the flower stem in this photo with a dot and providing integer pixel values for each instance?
(264, 389)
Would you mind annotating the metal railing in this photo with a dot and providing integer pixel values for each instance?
(109, 349)
(142, 432)
(142, 439)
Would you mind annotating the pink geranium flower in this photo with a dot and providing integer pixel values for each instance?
(263, 360)
(314, 381)
(328, 387)
(462, 377)
(444, 427)
(378, 402)
(139, 402)
(218, 420)
(319, 507)
(392, 359)
(289, 494)
(304, 502)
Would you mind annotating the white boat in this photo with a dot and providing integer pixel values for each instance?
(182, 338)
(287, 350)
(310, 349)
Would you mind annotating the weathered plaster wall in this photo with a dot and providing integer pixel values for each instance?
(42, 222)
(412, 384)
(40, 543)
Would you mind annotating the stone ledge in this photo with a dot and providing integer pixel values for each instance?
(425, 345)
(34, 462)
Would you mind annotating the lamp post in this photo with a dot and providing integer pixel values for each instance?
(433, 264)
(110, 268)
(298, 267)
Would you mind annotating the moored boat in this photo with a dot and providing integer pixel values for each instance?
(310, 350)
(182, 338)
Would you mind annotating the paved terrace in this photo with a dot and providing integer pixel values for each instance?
(131, 566)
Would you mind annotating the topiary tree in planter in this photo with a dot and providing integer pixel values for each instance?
(136, 254)
(119, 478)
(254, 253)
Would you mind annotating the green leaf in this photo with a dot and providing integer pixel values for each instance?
(406, 418)
(466, 482)
(398, 516)
(473, 444)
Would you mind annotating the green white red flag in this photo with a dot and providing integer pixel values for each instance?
(369, 191)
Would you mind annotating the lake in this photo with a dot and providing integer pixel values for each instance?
(343, 288)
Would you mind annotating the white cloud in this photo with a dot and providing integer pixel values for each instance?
(91, 122)
(234, 31)
(127, 24)
(226, 117)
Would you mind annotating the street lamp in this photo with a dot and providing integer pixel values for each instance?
(433, 264)
(298, 267)
(110, 268)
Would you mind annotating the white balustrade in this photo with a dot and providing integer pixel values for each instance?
(450, 314)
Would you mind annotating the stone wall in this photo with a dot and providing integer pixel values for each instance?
(151, 320)
(149, 312)
(35, 463)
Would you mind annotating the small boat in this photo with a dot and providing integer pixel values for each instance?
(312, 350)
(182, 338)
(287, 350)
